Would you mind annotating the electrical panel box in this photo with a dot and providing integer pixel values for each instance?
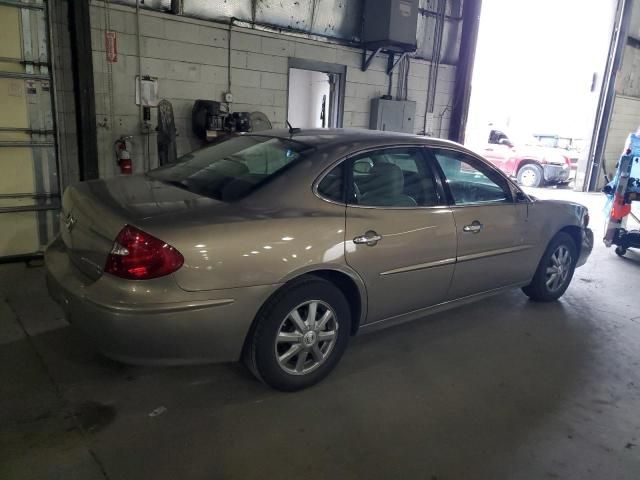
(392, 115)
(390, 24)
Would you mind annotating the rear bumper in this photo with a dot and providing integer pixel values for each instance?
(586, 247)
(153, 322)
(556, 173)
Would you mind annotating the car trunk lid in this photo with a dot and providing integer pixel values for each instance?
(94, 212)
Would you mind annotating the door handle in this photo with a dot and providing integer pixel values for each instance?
(475, 227)
(370, 238)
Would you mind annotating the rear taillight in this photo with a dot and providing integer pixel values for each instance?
(136, 255)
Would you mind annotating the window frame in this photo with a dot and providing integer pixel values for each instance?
(323, 175)
(347, 172)
(479, 164)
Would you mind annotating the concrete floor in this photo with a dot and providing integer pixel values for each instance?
(502, 389)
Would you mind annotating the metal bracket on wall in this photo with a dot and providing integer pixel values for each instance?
(367, 61)
(392, 64)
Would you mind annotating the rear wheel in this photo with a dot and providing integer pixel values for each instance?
(530, 175)
(621, 251)
(555, 270)
(300, 335)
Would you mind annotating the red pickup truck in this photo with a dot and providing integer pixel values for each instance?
(532, 164)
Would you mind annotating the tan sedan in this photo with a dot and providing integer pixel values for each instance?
(277, 247)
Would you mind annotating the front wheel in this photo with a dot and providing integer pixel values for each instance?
(555, 270)
(530, 175)
(300, 335)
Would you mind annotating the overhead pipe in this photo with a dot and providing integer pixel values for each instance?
(435, 62)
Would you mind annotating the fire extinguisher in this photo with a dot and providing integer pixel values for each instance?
(123, 157)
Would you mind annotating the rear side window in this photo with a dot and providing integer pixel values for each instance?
(232, 169)
(331, 186)
(393, 177)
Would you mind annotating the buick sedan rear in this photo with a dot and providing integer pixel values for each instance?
(277, 247)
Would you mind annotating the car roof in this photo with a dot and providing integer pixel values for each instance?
(334, 137)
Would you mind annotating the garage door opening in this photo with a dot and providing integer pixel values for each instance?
(538, 73)
(315, 94)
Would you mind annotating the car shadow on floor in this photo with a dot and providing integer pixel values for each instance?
(414, 400)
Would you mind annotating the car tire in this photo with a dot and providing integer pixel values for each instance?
(318, 346)
(621, 251)
(530, 175)
(555, 270)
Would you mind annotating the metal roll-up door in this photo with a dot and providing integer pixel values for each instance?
(29, 183)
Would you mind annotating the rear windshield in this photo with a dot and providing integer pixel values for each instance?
(232, 169)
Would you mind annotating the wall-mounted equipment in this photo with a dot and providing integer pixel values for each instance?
(167, 131)
(392, 115)
(390, 24)
(147, 91)
(211, 120)
(123, 156)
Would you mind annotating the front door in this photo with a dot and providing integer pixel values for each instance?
(400, 237)
(493, 250)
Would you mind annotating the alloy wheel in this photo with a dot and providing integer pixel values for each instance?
(306, 337)
(559, 268)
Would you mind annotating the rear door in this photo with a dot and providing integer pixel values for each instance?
(491, 226)
(29, 191)
(400, 236)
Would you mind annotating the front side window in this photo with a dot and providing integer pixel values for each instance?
(232, 169)
(469, 181)
(397, 177)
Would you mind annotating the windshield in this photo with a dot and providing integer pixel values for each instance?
(232, 169)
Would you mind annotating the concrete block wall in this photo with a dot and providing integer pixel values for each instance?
(64, 93)
(190, 59)
(628, 82)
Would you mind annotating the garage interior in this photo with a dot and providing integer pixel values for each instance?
(500, 389)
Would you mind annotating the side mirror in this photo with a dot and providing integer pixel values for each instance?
(505, 142)
(520, 196)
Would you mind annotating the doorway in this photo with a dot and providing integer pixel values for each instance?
(315, 94)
